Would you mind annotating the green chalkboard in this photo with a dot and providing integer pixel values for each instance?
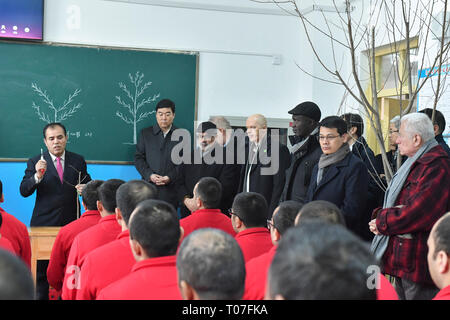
(104, 96)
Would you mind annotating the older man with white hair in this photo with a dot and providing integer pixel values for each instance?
(418, 195)
(266, 162)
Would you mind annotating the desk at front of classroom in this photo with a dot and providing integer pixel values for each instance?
(42, 239)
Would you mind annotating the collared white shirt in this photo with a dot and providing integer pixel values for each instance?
(250, 163)
(63, 157)
(164, 133)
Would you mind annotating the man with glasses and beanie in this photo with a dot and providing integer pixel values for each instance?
(340, 177)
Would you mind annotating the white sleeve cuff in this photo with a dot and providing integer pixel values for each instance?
(36, 180)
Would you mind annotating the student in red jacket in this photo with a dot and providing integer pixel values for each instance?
(283, 218)
(207, 197)
(154, 236)
(210, 266)
(321, 261)
(328, 212)
(5, 244)
(64, 239)
(16, 232)
(96, 270)
(439, 256)
(106, 230)
(249, 219)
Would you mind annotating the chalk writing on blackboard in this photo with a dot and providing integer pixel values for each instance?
(55, 113)
(135, 102)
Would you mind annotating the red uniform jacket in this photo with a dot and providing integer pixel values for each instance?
(6, 244)
(105, 265)
(17, 233)
(444, 294)
(257, 270)
(63, 243)
(254, 242)
(150, 279)
(386, 291)
(105, 231)
(207, 218)
(425, 198)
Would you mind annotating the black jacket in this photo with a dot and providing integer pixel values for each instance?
(191, 173)
(440, 139)
(270, 186)
(345, 184)
(153, 155)
(298, 175)
(56, 202)
(375, 192)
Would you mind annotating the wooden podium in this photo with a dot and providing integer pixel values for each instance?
(42, 239)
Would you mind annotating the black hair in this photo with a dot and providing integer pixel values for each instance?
(321, 261)
(442, 236)
(285, 217)
(154, 224)
(212, 263)
(439, 118)
(90, 194)
(354, 120)
(16, 282)
(131, 193)
(322, 210)
(166, 103)
(107, 194)
(209, 190)
(334, 122)
(251, 208)
(52, 125)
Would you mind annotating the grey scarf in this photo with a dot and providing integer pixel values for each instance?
(329, 159)
(380, 241)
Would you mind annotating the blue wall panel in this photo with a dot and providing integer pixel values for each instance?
(11, 174)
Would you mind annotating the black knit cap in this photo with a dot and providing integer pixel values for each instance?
(204, 126)
(308, 109)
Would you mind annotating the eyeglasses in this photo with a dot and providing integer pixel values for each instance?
(230, 213)
(270, 224)
(328, 138)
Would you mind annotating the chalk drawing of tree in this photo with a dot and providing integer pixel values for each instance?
(138, 88)
(56, 113)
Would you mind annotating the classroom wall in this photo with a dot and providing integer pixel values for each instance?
(237, 76)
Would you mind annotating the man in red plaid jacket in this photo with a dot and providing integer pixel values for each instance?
(424, 197)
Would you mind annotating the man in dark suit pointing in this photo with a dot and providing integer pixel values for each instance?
(57, 176)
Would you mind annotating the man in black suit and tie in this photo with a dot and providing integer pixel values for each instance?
(57, 176)
(266, 162)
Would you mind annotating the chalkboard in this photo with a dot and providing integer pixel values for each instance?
(103, 96)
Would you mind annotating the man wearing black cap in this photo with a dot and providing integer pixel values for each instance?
(153, 152)
(305, 152)
(207, 160)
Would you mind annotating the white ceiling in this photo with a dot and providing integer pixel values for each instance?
(242, 6)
